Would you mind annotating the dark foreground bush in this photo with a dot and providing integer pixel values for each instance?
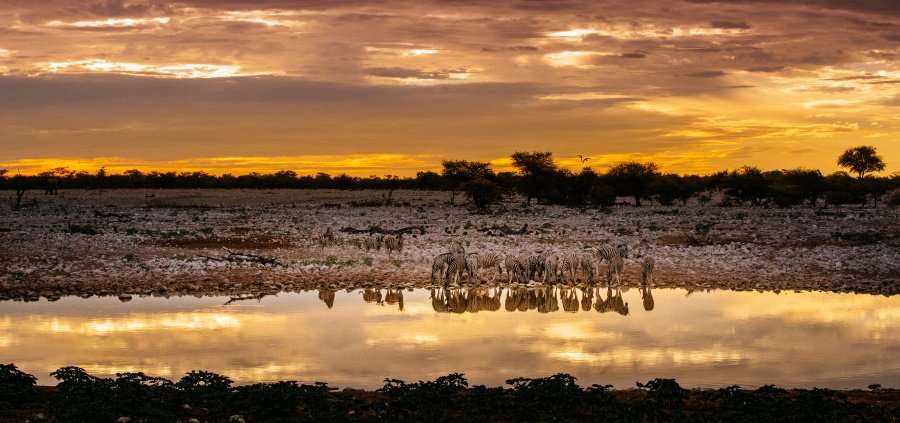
(208, 397)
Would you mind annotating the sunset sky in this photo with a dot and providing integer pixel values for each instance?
(395, 86)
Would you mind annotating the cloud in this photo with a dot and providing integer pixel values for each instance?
(707, 74)
(407, 73)
(727, 24)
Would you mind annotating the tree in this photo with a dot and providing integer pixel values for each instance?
(459, 172)
(537, 170)
(633, 178)
(483, 191)
(861, 160)
(747, 184)
(665, 188)
(795, 186)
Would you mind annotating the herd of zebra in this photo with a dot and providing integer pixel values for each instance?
(373, 242)
(456, 265)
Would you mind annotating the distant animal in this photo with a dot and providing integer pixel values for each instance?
(52, 186)
(393, 243)
(326, 239)
(647, 266)
(372, 242)
(440, 264)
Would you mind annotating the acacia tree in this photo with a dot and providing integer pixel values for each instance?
(861, 160)
(634, 178)
(537, 170)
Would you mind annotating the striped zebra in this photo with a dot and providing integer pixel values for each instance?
(440, 264)
(616, 269)
(457, 247)
(457, 267)
(373, 242)
(535, 266)
(551, 268)
(568, 267)
(472, 265)
(393, 243)
(586, 263)
(491, 260)
(647, 267)
(517, 268)
(327, 238)
(608, 253)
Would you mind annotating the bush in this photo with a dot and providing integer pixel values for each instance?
(82, 397)
(666, 392)
(205, 389)
(892, 198)
(16, 386)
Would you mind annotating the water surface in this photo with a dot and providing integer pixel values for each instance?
(358, 338)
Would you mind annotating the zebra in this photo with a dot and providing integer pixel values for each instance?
(327, 238)
(457, 247)
(586, 262)
(439, 264)
(373, 242)
(568, 267)
(535, 266)
(457, 266)
(551, 268)
(491, 260)
(393, 243)
(516, 267)
(647, 267)
(472, 265)
(616, 268)
(608, 253)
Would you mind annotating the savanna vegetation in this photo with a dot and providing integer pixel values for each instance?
(208, 397)
(539, 179)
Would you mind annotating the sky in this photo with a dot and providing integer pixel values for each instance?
(395, 86)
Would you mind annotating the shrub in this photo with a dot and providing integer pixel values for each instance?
(16, 386)
(82, 397)
(205, 389)
(892, 198)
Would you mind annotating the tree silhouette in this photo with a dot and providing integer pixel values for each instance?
(633, 178)
(747, 184)
(537, 170)
(861, 160)
(457, 173)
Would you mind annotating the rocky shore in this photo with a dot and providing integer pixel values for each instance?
(245, 242)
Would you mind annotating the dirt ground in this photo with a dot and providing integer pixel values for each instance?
(240, 242)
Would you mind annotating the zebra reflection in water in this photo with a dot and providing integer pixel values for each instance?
(327, 297)
(543, 299)
(390, 297)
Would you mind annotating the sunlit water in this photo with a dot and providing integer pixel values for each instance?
(359, 338)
